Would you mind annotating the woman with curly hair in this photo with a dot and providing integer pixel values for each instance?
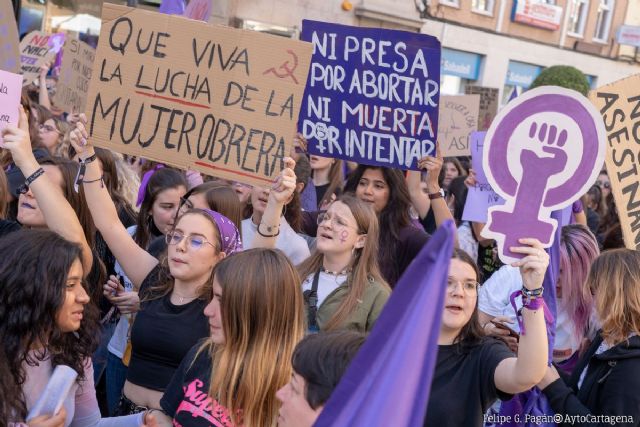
(45, 321)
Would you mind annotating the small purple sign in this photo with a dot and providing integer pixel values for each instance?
(481, 197)
(541, 153)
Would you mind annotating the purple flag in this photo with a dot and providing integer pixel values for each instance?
(172, 7)
(388, 382)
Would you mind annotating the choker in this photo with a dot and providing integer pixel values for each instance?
(336, 273)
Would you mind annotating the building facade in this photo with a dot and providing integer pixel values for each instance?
(495, 43)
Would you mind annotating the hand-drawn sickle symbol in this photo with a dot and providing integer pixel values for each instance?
(288, 72)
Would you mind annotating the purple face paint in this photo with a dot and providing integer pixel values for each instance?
(343, 235)
(541, 153)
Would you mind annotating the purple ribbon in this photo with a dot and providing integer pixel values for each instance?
(229, 234)
(142, 191)
(533, 304)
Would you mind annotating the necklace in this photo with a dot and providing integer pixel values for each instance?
(337, 273)
(182, 298)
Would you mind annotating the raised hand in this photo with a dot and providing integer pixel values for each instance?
(534, 265)
(18, 141)
(432, 165)
(79, 138)
(285, 184)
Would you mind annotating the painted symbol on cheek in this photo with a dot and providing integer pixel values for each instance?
(343, 236)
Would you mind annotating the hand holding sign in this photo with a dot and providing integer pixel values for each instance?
(18, 141)
(534, 264)
(549, 138)
(57, 420)
(432, 165)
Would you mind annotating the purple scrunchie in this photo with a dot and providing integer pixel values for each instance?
(142, 191)
(229, 234)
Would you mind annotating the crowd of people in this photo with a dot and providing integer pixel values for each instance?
(190, 300)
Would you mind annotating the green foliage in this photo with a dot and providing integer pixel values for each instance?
(563, 76)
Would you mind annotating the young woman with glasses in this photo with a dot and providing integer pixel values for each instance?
(343, 286)
(173, 294)
(483, 368)
(52, 135)
(159, 199)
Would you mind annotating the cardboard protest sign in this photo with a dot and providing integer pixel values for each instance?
(457, 120)
(35, 50)
(542, 152)
(75, 75)
(372, 94)
(481, 197)
(489, 102)
(8, 38)
(10, 91)
(215, 99)
(619, 105)
(200, 10)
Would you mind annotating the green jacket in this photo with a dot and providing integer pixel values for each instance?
(366, 313)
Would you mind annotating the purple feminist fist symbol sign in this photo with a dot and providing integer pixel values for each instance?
(541, 154)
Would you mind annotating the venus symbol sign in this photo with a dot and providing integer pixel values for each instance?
(542, 152)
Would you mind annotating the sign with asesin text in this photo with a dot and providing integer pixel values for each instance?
(619, 104)
(215, 99)
(372, 94)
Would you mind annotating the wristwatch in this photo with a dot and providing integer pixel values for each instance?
(439, 194)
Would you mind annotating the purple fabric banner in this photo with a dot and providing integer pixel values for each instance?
(388, 382)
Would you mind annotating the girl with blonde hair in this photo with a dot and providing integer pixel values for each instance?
(606, 380)
(255, 320)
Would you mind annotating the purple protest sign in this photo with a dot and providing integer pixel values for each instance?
(541, 154)
(481, 197)
(10, 91)
(372, 94)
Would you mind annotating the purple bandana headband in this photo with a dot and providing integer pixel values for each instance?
(142, 191)
(229, 234)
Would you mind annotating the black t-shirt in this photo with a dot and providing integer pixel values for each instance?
(463, 386)
(162, 334)
(158, 246)
(186, 399)
(410, 241)
(320, 192)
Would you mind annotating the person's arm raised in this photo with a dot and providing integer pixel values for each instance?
(515, 375)
(135, 261)
(56, 210)
(280, 195)
(43, 93)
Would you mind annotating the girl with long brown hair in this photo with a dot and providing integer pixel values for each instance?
(342, 281)
(255, 319)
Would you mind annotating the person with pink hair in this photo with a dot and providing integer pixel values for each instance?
(574, 321)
